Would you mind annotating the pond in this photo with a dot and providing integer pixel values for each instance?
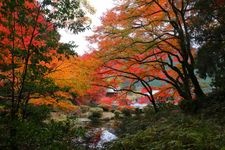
(95, 138)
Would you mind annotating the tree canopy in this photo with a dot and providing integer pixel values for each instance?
(143, 41)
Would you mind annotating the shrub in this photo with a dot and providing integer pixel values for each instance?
(167, 106)
(55, 135)
(138, 111)
(189, 106)
(127, 112)
(95, 117)
(37, 113)
(117, 113)
(148, 111)
(33, 133)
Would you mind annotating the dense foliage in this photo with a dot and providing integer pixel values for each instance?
(209, 34)
(142, 42)
(35, 133)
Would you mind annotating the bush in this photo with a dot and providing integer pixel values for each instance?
(138, 111)
(95, 117)
(148, 111)
(189, 106)
(49, 136)
(117, 113)
(127, 112)
(37, 113)
(33, 133)
(167, 106)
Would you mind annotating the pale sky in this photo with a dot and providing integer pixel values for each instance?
(101, 6)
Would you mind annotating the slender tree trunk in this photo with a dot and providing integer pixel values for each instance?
(155, 106)
(24, 75)
(25, 106)
(186, 81)
(12, 131)
(151, 97)
(13, 85)
(197, 88)
(153, 102)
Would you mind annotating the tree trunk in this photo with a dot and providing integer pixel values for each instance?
(153, 103)
(24, 113)
(197, 88)
(155, 106)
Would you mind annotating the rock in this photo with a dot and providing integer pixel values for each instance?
(121, 115)
(107, 116)
(85, 115)
(80, 122)
(78, 140)
(105, 137)
(133, 115)
(105, 107)
(58, 116)
(83, 120)
(96, 109)
(84, 108)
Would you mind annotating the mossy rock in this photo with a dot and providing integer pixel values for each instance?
(84, 108)
(58, 116)
(107, 116)
(117, 113)
(96, 109)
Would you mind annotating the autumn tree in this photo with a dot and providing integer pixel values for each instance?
(126, 77)
(30, 48)
(156, 36)
(78, 74)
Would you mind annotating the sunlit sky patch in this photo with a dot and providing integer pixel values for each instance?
(101, 6)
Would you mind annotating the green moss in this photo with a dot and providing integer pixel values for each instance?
(169, 130)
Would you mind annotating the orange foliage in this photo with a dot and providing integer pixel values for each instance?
(66, 106)
(77, 73)
(43, 101)
(143, 40)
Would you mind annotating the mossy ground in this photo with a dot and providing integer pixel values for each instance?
(172, 129)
